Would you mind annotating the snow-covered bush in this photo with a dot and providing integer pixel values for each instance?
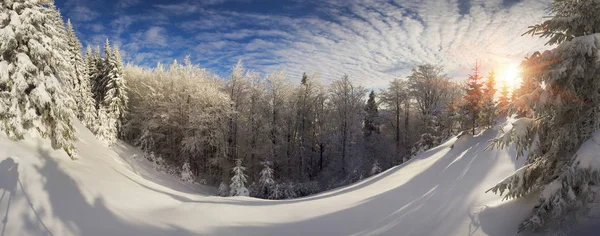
(277, 192)
(186, 173)
(289, 190)
(426, 142)
(375, 169)
(223, 190)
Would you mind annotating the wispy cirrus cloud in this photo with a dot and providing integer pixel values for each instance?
(372, 41)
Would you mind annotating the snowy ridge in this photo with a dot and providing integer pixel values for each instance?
(107, 192)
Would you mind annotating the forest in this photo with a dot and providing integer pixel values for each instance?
(265, 136)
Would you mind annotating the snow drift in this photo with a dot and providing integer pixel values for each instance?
(111, 192)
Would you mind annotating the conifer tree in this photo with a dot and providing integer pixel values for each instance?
(266, 182)
(33, 66)
(561, 164)
(488, 109)
(238, 180)
(115, 97)
(503, 100)
(82, 93)
(473, 97)
(371, 120)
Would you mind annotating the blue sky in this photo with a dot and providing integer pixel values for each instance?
(372, 41)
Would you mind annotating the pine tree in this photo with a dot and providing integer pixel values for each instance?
(371, 120)
(503, 100)
(106, 128)
(561, 164)
(238, 180)
(33, 65)
(266, 182)
(109, 91)
(473, 97)
(96, 74)
(115, 97)
(82, 89)
(488, 110)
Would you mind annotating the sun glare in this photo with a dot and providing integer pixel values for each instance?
(510, 75)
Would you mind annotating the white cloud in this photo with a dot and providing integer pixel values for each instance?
(82, 13)
(156, 35)
(127, 3)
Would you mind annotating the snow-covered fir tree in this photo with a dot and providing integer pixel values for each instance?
(35, 73)
(266, 183)
(86, 109)
(429, 138)
(109, 91)
(560, 164)
(238, 181)
(115, 95)
(106, 128)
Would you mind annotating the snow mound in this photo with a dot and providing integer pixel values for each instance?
(110, 192)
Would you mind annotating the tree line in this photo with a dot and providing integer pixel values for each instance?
(271, 138)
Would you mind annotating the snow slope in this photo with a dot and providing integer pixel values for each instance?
(110, 192)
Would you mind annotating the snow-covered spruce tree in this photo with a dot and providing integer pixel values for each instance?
(265, 182)
(561, 164)
(109, 91)
(489, 112)
(34, 73)
(106, 127)
(429, 138)
(95, 65)
(115, 96)
(82, 93)
(472, 100)
(238, 181)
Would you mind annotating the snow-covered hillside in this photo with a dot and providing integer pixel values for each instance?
(110, 192)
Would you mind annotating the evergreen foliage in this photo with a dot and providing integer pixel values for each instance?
(35, 73)
(473, 97)
(559, 136)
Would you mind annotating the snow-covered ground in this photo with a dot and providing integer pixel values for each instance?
(110, 192)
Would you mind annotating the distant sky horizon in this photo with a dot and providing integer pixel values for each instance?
(371, 41)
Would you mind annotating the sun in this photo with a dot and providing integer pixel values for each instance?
(511, 76)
